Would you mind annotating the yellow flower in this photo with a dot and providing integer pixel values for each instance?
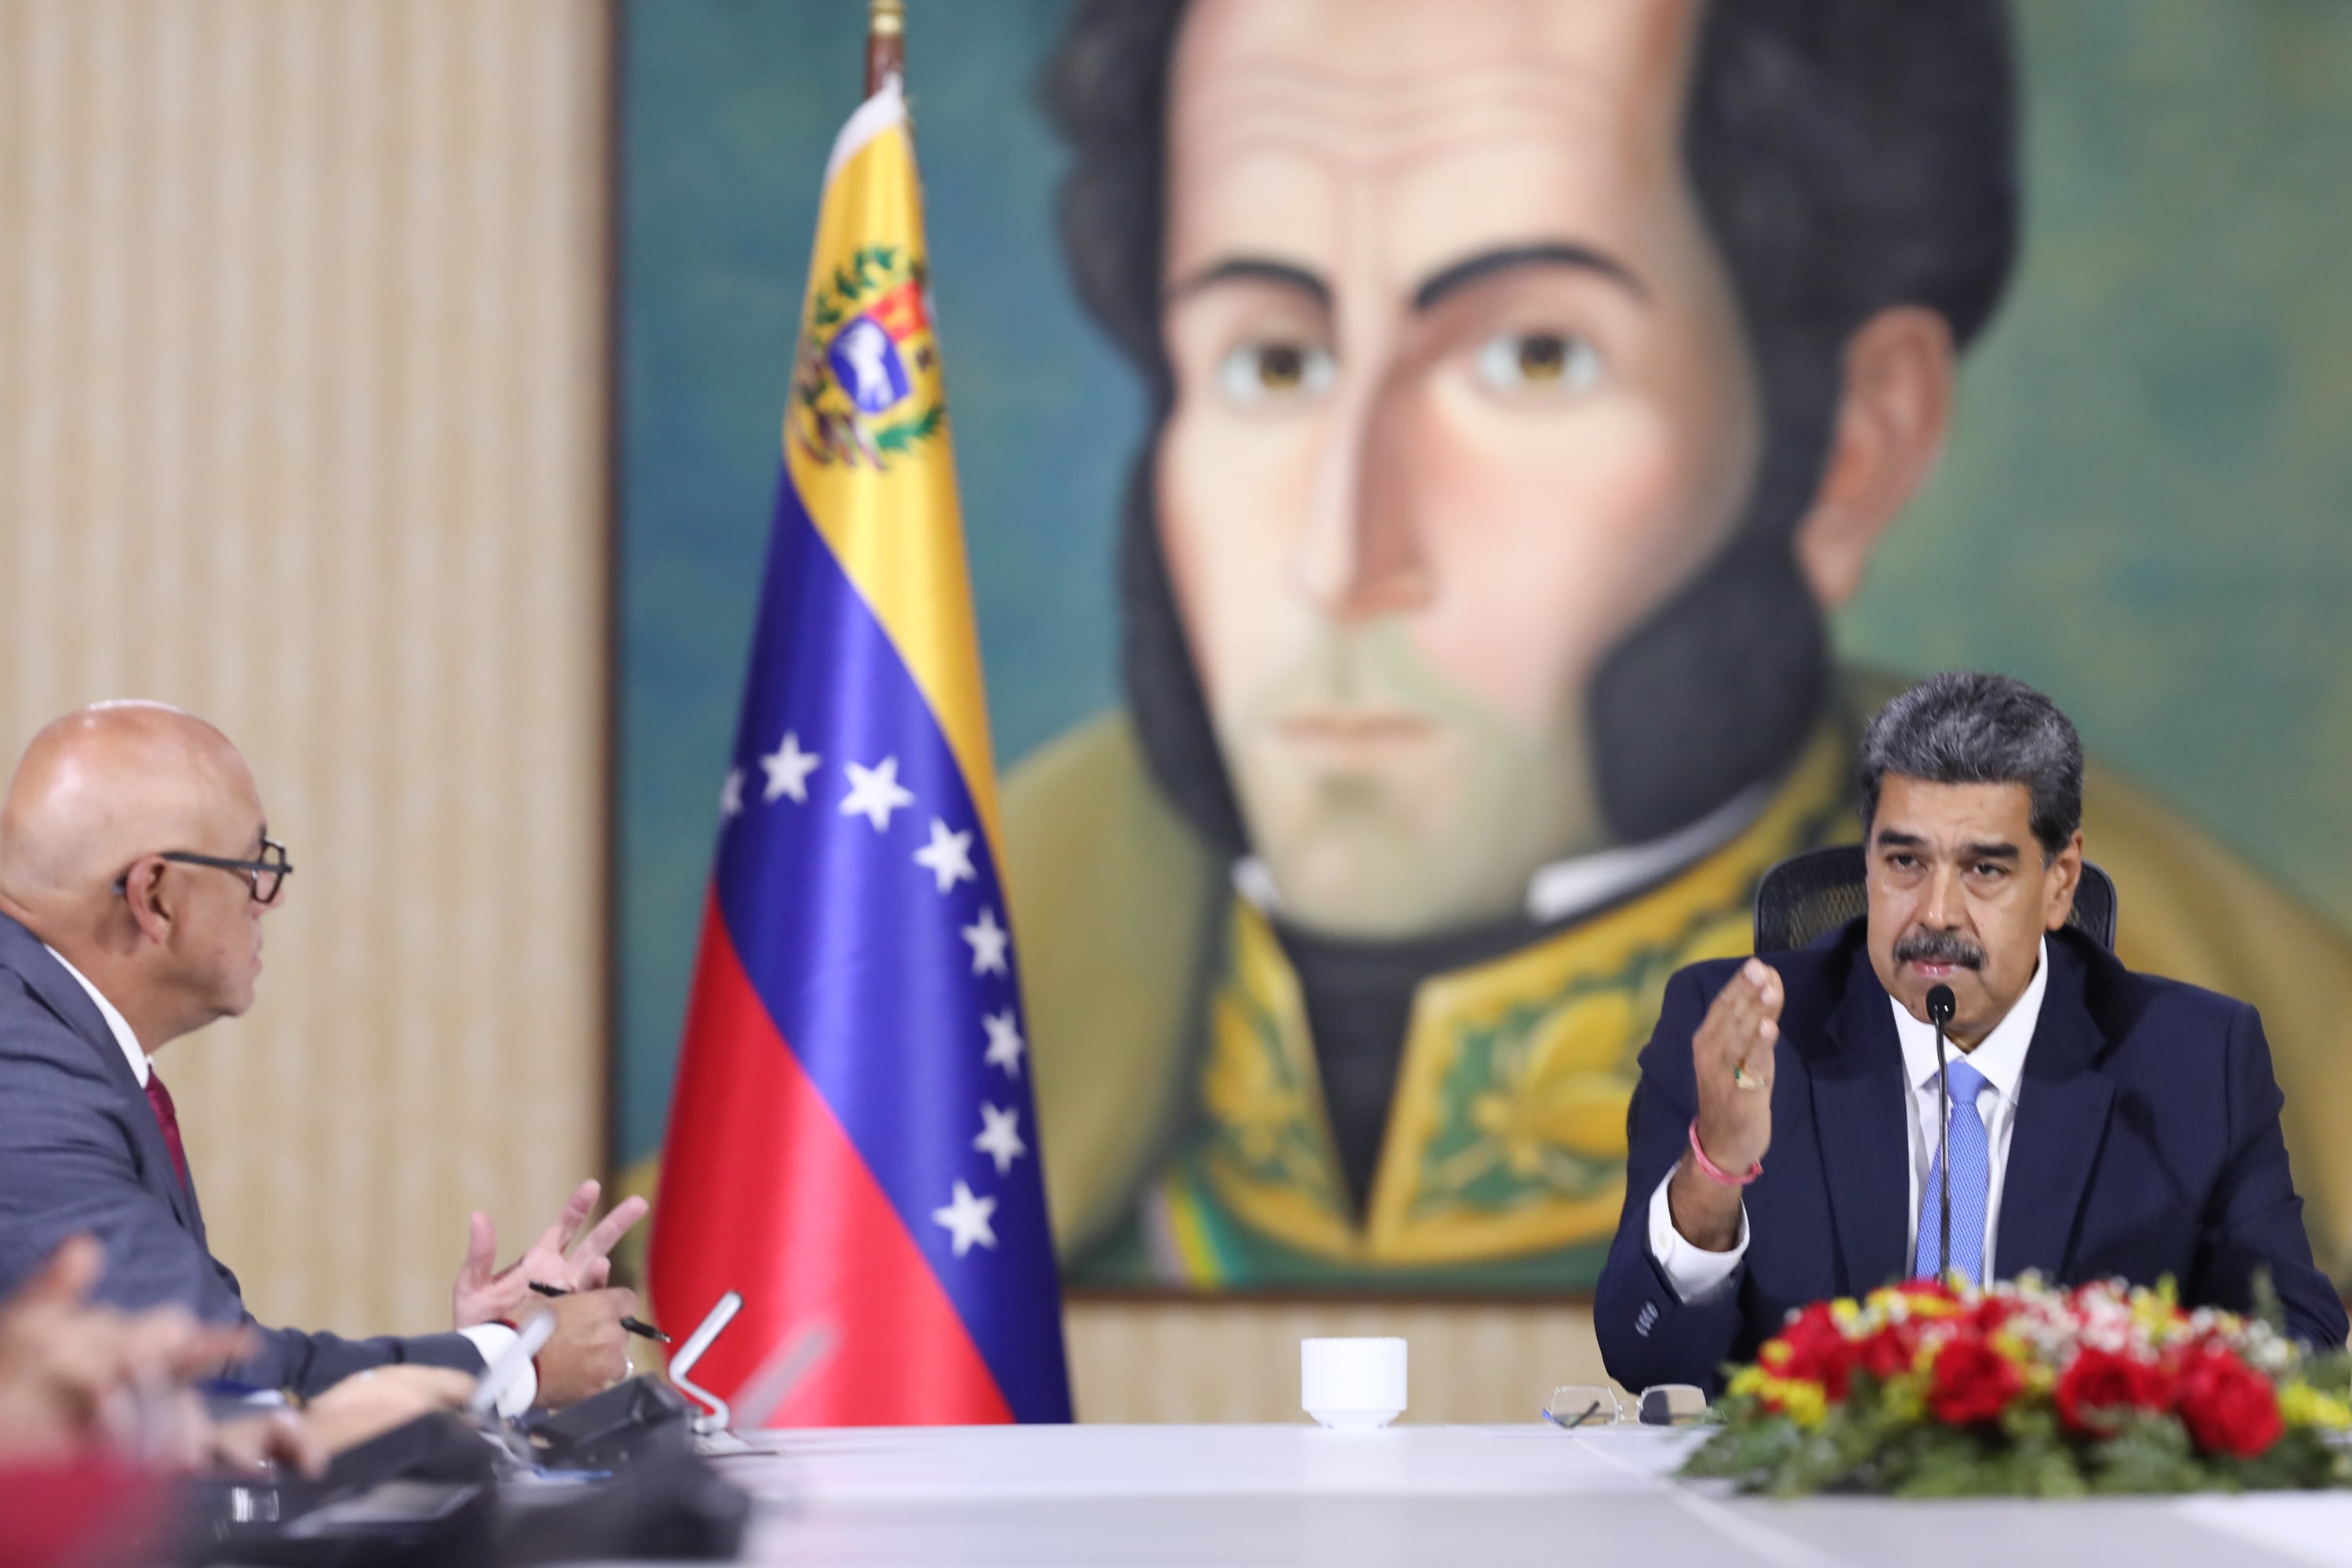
(2300, 1405)
(1802, 1400)
(1748, 1380)
(2155, 1311)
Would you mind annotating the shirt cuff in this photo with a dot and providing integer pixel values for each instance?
(1698, 1275)
(492, 1339)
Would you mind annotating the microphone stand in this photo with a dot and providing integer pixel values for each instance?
(1940, 1006)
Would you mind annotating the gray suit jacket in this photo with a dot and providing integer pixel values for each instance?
(81, 1151)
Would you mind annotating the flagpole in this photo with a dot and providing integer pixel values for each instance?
(886, 42)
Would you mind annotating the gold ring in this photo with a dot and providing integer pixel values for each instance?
(1742, 1078)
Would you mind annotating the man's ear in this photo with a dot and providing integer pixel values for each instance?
(1893, 412)
(2069, 868)
(143, 896)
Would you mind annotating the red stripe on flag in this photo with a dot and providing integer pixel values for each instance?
(762, 1192)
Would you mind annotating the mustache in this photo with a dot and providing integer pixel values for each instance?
(1939, 947)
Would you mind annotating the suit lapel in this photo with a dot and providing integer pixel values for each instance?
(1859, 1120)
(2062, 1118)
(21, 950)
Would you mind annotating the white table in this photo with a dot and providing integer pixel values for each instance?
(1040, 1497)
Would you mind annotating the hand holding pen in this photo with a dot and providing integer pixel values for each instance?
(644, 1331)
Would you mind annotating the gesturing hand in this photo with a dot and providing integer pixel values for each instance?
(1731, 1055)
(72, 1373)
(482, 1296)
(589, 1352)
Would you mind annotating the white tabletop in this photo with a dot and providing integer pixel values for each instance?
(1490, 1496)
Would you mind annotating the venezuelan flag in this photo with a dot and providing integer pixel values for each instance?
(852, 1140)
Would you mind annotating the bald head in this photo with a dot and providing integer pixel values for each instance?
(95, 832)
(101, 788)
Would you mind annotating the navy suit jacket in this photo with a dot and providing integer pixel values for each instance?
(2147, 1143)
(80, 1150)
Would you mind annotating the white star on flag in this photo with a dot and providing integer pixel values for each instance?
(788, 770)
(965, 1218)
(875, 792)
(999, 1136)
(988, 943)
(1004, 1044)
(948, 857)
(731, 793)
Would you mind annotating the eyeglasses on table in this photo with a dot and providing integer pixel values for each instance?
(1575, 1406)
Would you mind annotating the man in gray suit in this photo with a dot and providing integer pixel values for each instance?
(135, 871)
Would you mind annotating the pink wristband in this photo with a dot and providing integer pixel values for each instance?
(1715, 1173)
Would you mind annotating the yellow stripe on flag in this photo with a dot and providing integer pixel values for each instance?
(867, 440)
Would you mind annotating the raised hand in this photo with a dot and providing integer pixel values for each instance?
(1731, 1058)
(486, 1294)
(1731, 1055)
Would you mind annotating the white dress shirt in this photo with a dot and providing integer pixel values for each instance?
(490, 1339)
(1700, 1276)
(116, 1024)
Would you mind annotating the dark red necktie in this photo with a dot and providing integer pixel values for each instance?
(159, 1099)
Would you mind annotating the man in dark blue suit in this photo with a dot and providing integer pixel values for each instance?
(2101, 1124)
(135, 872)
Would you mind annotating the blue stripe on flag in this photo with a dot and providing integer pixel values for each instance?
(863, 962)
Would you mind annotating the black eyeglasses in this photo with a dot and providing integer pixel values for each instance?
(265, 875)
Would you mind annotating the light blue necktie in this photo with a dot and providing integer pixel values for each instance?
(1971, 1182)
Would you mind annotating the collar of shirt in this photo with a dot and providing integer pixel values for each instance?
(116, 1024)
(1581, 883)
(2000, 1056)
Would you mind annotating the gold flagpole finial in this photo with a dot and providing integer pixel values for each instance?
(886, 42)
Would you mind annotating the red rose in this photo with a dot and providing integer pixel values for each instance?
(1992, 1312)
(1818, 1352)
(1889, 1352)
(1971, 1382)
(2230, 1408)
(2098, 1383)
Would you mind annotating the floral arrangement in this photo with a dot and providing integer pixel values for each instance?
(2023, 1389)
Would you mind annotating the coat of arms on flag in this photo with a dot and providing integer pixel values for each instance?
(868, 382)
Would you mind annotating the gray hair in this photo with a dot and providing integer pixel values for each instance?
(1964, 727)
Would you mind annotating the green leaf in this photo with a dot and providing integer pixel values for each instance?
(2267, 1308)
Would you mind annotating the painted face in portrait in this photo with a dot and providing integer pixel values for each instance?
(1461, 397)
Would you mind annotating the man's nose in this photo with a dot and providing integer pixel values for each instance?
(1944, 908)
(1359, 552)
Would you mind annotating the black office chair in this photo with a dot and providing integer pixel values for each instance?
(1809, 894)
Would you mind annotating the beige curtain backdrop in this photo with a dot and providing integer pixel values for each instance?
(301, 426)
(302, 364)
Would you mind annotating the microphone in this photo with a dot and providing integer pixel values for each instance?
(1941, 1004)
(696, 1343)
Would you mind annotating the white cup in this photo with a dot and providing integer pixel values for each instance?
(1351, 1382)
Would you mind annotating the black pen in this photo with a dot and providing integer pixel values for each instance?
(634, 1327)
